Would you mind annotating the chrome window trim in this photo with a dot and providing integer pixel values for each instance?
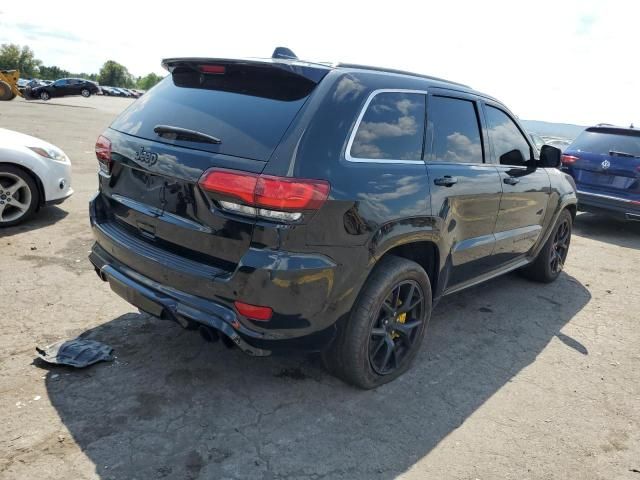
(347, 154)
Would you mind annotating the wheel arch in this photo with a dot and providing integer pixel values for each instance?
(424, 252)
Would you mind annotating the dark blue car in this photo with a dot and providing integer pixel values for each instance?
(604, 161)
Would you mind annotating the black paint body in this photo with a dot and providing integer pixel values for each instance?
(66, 87)
(162, 233)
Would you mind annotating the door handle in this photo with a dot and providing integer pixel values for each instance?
(446, 181)
(511, 181)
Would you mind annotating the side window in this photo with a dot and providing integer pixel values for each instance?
(509, 145)
(456, 133)
(392, 128)
(60, 83)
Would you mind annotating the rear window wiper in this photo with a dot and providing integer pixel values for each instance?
(177, 133)
(622, 154)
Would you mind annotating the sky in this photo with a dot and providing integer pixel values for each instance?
(572, 61)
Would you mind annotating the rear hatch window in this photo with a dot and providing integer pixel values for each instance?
(247, 106)
(603, 142)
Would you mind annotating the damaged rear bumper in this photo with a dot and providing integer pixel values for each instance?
(165, 302)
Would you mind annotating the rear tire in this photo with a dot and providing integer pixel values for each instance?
(377, 325)
(550, 261)
(5, 91)
(85, 93)
(19, 196)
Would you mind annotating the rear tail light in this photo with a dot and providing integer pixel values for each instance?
(266, 196)
(569, 159)
(254, 312)
(103, 154)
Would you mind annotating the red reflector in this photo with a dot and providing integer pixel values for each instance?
(254, 312)
(266, 191)
(103, 153)
(290, 193)
(215, 69)
(569, 159)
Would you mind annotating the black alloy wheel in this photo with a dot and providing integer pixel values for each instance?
(396, 327)
(560, 247)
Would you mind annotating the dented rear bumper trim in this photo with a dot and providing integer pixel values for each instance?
(165, 302)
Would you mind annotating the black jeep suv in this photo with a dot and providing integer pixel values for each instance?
(280, 204)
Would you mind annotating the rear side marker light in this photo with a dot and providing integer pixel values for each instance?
(254, 312)
(103, 154)
(569, 159)
(266, 196)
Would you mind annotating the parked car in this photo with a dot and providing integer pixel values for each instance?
(33, 173)
(64, 87)
(605, 164)
(131, 92)
(559, 143)
(109, 91)
(538, 141)
(307, 211)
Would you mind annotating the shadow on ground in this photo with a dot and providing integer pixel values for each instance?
(42, 218)
(174, 406)
(609, 230)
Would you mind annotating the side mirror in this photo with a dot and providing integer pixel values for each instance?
(550, 157)
(513, 157)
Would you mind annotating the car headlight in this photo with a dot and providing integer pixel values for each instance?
(50, 152)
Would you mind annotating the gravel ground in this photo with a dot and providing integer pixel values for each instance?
(516, 380)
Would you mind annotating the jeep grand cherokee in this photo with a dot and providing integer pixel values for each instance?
(283, 204)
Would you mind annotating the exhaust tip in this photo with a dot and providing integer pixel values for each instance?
(100, 274)
(227, 342)
(208, 334)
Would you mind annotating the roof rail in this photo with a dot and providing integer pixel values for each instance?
(398, 72)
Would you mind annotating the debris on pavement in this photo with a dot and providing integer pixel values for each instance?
(78, 352)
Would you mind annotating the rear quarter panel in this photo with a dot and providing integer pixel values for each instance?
(372, 207)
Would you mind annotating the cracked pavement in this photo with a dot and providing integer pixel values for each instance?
(515, 379)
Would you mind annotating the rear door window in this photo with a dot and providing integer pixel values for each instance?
(602, 143)
(392, 128)
(456, 131)
(247, 108)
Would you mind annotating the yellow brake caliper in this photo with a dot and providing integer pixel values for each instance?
(402, 318)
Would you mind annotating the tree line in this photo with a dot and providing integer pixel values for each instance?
(112, 73)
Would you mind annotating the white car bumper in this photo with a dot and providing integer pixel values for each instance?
(57, 183)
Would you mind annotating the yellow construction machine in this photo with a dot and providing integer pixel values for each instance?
(9, 85)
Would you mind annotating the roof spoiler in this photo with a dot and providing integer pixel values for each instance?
(292, 65)
(630, 132)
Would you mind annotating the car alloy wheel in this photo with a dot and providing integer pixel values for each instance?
(15, 197)
(396, 327)
(45, 95)
(560, 248)
(85, 93)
